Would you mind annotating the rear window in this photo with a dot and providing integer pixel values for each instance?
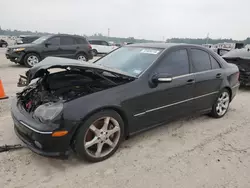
(81, 41)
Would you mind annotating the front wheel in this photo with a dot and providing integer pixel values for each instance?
(221, 105)
(31, 59)
(100, 136)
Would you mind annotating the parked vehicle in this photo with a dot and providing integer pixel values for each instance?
(3, 43)
(241, 58)
(101, 47)
(68, 46)
(26, 39)
(91, 108)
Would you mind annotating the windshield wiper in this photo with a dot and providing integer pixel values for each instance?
(105, 78)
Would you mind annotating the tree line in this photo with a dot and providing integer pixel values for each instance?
(200, 41)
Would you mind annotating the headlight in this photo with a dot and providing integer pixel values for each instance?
(48, 112)
(18, 49)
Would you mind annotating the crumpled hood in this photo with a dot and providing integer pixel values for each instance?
(243, 53)
(55, 62)
(23, 45)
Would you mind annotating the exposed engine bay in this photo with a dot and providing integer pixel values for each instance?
(66, 85)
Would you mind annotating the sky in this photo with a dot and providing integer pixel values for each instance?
(148, 19)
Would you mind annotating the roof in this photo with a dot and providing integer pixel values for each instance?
(161, 45)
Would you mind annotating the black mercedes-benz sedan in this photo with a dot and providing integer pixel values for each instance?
(90, 108)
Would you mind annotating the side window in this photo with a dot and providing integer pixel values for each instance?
(214, 63)
(201, 60)
(67, 41)
(55, 41)
(80, 41)
(176, 63)
(104, 43)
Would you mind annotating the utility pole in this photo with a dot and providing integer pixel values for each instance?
(108, 32)
(207, 38)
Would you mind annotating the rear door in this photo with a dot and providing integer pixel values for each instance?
(106, 48)
(53, 49)
(208, 78)
(68, 47)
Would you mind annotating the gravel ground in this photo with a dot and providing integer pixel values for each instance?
(192, 152)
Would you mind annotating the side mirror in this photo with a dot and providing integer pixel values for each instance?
(160, 78)
(47, 44)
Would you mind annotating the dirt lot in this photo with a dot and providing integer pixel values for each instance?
(193, 152)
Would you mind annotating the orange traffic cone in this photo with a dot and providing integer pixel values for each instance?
(2, 93)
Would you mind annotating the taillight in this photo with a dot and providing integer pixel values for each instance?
(90, 47)
(238, 75)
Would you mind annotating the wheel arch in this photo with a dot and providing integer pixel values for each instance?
(114, 108)
(230, 91)
(32, 52)
(82, 52)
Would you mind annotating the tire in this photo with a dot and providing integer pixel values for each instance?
(87, 142)
(95, 52)
(220, 108)
(31, 59)
(82, 57)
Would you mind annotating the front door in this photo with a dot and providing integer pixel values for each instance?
(167, 100)
(208, 79)
(51, 47)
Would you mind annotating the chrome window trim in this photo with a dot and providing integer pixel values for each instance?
(40, 132)
(165, 106)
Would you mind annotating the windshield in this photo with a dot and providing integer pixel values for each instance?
(40, 40)
(132, 60)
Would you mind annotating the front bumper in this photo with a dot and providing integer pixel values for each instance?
(38, 140)
(16, 57)
(235, 89)
(245, 78)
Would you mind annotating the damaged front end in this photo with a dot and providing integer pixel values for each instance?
(44, 97)
(241, 58)
(244, 68)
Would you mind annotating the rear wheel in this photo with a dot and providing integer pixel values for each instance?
(95, 52)
(221, 105)
(100, 136)
(31, 59)
(81, 57)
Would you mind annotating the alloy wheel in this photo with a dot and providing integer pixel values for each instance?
(102, 137)
(32, 60)
(222, 103)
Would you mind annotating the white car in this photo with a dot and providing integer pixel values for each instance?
(101, 47)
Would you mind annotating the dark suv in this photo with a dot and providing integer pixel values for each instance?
(68, 46)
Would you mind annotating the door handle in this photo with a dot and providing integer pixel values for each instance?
(190, 81)
(218, 75)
